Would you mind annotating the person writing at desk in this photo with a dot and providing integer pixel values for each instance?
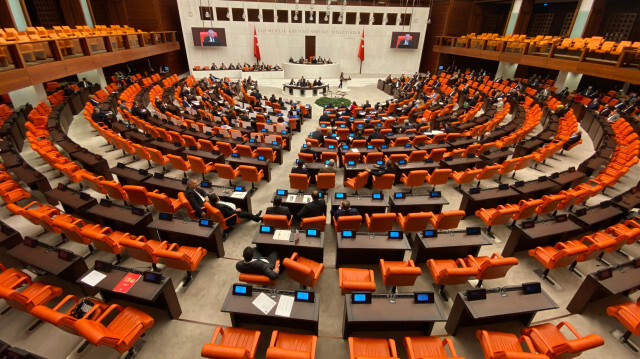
(255, 263)
(278, 208)
(196, 197)
(379, 171)
(317, 207)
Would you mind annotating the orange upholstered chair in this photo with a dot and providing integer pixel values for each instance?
(496, 216)
(144, 250)
(357, 182)
(12, 278)
(257, 279)
(198, 165)
(178, 163)
(507, 166)
(628, 313)
(251, 174)
(492, 267)
(596, 243)
(371, 348)
(299, 181)
(157, 157)
(373, 157)
(356, 280)
(549, 204)
(105, 239)
(318, 223)
(549, 340)
(291, 346)
(438, 176)
(527, 209)
(414, 222)
(351, 156)
(380, 222)
(466, 176)
(383, 182)
(164, 203)
(558, 256)
(137, 195)
(267, 153)
(303, 270)
(37, 293)
(399, 273)
(216, 216)
(182, 258)
(244, 151)
(487, 172)
(498, 345)
(64, 320)
(347, 222)
(429, 347)
(226, 171)
(447, 219)
(121, 333)
(450, 272)
(277, 221)
(114, 190)
(414, 179)
(325, 180)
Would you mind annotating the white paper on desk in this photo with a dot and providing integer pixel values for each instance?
(307, 198)
(264, 303)
(355, 150)
(282, 234)
(239, 195)
(93, 278)
(285, 304)
(291, 198)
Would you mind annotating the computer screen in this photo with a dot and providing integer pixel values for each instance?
(376, 196)
(312, 232)
(266, 229)
(399, 195)
(206, 223)
(395, 235)
(209, 36)
(429, 233)
(281, 192)
(473, 231)
(341, 195)
(348, 234)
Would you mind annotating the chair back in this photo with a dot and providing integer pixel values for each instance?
(137, 195)
(348, 223)
(488, 172)
(417, 156)
(299, 181)
(381, 222)
(415, 222)
(307, 157)
(178, 163)
(384, 182)
(496, 267)
(161, 202)
(437, 154)
(373, 157)
(318, 223)
(249, 173)
(114, 189)
(325, 180)
(197, 164)
(225, 148)
(448, 219)
(439, 176)
(279, 221)
(225, 171)
(245, 151)
(416, 178)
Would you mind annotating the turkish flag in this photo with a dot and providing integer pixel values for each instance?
(361, 49)
(256, 48)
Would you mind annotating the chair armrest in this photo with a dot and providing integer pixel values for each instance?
(392, 347)
(173, 246)
(274, 352)
(295, 266)
(496, 255)
(66, 299)
(108, 311)
(447, 342)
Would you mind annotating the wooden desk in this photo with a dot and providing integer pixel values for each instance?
(496, 157)
(627, 201)
(352, 171)
(463, 142)
(447, 245)
(129, 176)
(10, 159)
(381, 315)
(47, 260)
(205, 155)
(307, 247)
(543, 234)
(167, 148)
(527, 147)
(235, 162)
(137, 137)
(71, 201)
(98, 166)
(416, 203)
(593, 288)
(461, 163)
(537, 188)
(304, 316)
(161, 295)
(9, 237)
(188, 234)
(487, 198)
(366, 250)
(591, 165)
(568, 179)
(497, 309)
(364, 204)
(598, 218)
(119, 219)
(31, 177)
(430, 146)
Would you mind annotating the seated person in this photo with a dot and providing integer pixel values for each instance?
(255, 263)
(278, 208)
(139, 111)
(300, 168)
(406, 126)
(228, 209)
(345, 210)
(572, 140)
(379, 171)
(375, 135)
(330, 168)
(317, 207)
(100, 116)
(318, 136)
(196, 197)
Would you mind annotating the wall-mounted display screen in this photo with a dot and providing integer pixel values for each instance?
(209, 36)
(405, 40)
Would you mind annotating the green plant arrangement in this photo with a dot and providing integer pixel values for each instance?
(324, 101)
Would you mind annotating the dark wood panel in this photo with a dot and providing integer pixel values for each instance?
(430, 59)
(6, 20)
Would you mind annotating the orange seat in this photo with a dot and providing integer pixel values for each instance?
(414, 222)
(438, 176)
(371, 348)
(351, 156)
(257, 279)
(37, 293)
(178, 163)
(198, 165)
(526, 208)
(234, 343)
(429, 347)
(226, 171)
(396, 157)
(277, 221)
(436, 154)
(72, 230)
(380, 222)
(121, 333)
(560, 255)
(12, 278)
(303, 270)
(497, 345)
(492, 267)
(549, 340)
(326, 156)
(244, 151)
(347, 223)
(447, 219)
(325, 180)
(93, 182)
(357, 182)
(414, 179)
(318, 223)
(522, 163)
(216, 216)
(466, 176)
(628, 313)
(299, 181)
(487, 172)
(137, 195)
(399, 273)
(144, 250)
(356, 280)
(507, 166)
(417, 156)
(373, 157)
(164, 203)
(114, 190)
(549, 203)
(450, 272)
(307, 157)
(496, 216)
(250, 174)
(182, 258)
(65, 320)
(157, 157)
(225, 148)
(383, 182)
(105, 239)
(291, 346)
(267, 153)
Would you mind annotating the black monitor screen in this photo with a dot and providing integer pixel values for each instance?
(430, 233)
(361, 298)
(423, 297)
(242, 289)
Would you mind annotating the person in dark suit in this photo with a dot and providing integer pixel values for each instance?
(196, 197)
(406, 126)
(317, 207)
(257, 95)
(406, 42)
(300, 168)
(375, 135)
(85, 84)
(345, 210)
(318, 136)
(379, 171)
(211, 40)
(255, 263)
(100, 116)
(139, 111)
(228, 210)
(278, 208)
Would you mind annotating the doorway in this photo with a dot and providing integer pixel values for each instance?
(309, 46)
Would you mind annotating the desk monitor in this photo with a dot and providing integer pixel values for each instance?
(312, 232)
(152, 277)
(581, 212)
(62, 187)
(428, 160)
(604, 273)
(473, 231)
(340, 195)
(402, 162)
(326, 162)
(267, 229)
(377, 196)
(474, 190)
(447, 159)
(395, 235)
(555, 175)
(261, 158)
(205, 184)
(605, 204)
(193, 148)
(531, 288)
(572, 169)
(345, 147)
(636, 262)
(101, 266)
(519, 183)
(158, 175)
(384, 146)
(423, 297)
(471, 155)
(305, 296)
(435, 194)
(319, 194)
(528, 224)
(242, 289)
(351, 163)
(348, 234)
(121, 165)
(361, 298)
(379, 163)
(165, 216)
(235, 155)
(105, 202)
(239, 188)
(323, 125)
(205, 223)
(185, 180)
(85, 196)
(561, 218)
(137, 211)
(275, 143)
(30, 242)
(430, 233)
(503, 186)
(476, 294)
(239, 138)
(399, 195)
(282, 192)
(253, 140)
(369, 147)
(389, 134)
(143, 172)
(331, 147)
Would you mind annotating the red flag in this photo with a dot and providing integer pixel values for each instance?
(361, 49)
(256, 48)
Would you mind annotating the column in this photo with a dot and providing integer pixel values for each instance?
(18, 15)
(86, 12)
(506, 70)
(94, 76)
(582, 16)
(567, 79)
(513, 17)
(31, 94)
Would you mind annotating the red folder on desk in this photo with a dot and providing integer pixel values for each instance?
(126, 283)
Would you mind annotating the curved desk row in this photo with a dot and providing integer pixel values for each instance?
(311, 71)
(304, 91)
(238, 74)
